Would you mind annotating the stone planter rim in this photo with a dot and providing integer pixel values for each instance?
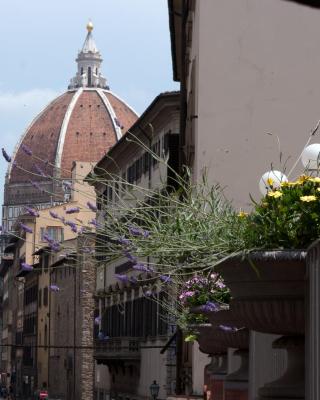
(268, 255)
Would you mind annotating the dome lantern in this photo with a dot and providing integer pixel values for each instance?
(89, 64)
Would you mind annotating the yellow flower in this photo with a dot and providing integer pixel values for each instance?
(275, 194)
(270, 181)
(284, 184)
(308, 198)
(315, 179)
(302, 179)
(242, 214)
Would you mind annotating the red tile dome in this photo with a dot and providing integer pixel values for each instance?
(80, 125)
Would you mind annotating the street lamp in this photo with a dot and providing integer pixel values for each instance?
(271, 180)
(154, 390)
(310, 157)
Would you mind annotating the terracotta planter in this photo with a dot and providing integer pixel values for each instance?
(207, 342)
(268, 290)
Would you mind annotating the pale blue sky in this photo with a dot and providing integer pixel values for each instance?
(40, 41)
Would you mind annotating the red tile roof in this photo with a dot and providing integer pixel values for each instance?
(89, 134)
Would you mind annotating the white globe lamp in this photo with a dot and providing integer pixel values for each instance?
(310, 157)
(271, 180)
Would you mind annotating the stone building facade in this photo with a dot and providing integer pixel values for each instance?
(71, 362)
(130, 358)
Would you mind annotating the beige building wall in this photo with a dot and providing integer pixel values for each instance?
(81, 194)
(254, 70)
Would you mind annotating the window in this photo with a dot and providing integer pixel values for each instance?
(10, 212)
(54, 232)
(89, 77)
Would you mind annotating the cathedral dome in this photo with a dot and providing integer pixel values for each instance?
(80, 125)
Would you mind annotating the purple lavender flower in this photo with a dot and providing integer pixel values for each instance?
(97, 320)
(72, 225)
(25, 228)
(26, 267)
(220, 284)
(53, 214)
(92, 206)
(26, 149)
(6, 155)
(210, 307)
(122, 278)
(55, 246)
(226, 328)
(134, 231)
(125, 242)
(148, 293)
(39, 170)
(54, 288)
(130, 257)
(184, 295)
(72, 210)
(47, 238)
(36, 185)
(31, 211)
(141, 267)
(165, 278)
(67, 184)
(133, 279)
(94, 222)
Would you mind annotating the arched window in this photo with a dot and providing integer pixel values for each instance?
(81, 70)
(89, 77)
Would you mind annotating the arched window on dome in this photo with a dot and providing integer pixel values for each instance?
(81, 71)
(89, 77)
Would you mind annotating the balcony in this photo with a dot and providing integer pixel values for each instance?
(125, 349)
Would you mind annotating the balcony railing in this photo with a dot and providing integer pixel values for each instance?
(117, 348)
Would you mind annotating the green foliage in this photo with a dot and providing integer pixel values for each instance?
(287, 218)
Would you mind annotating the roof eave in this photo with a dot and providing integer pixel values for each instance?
(175, 13)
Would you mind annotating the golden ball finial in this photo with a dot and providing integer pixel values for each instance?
(90, 26)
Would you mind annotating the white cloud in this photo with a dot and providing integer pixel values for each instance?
(35, 98)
